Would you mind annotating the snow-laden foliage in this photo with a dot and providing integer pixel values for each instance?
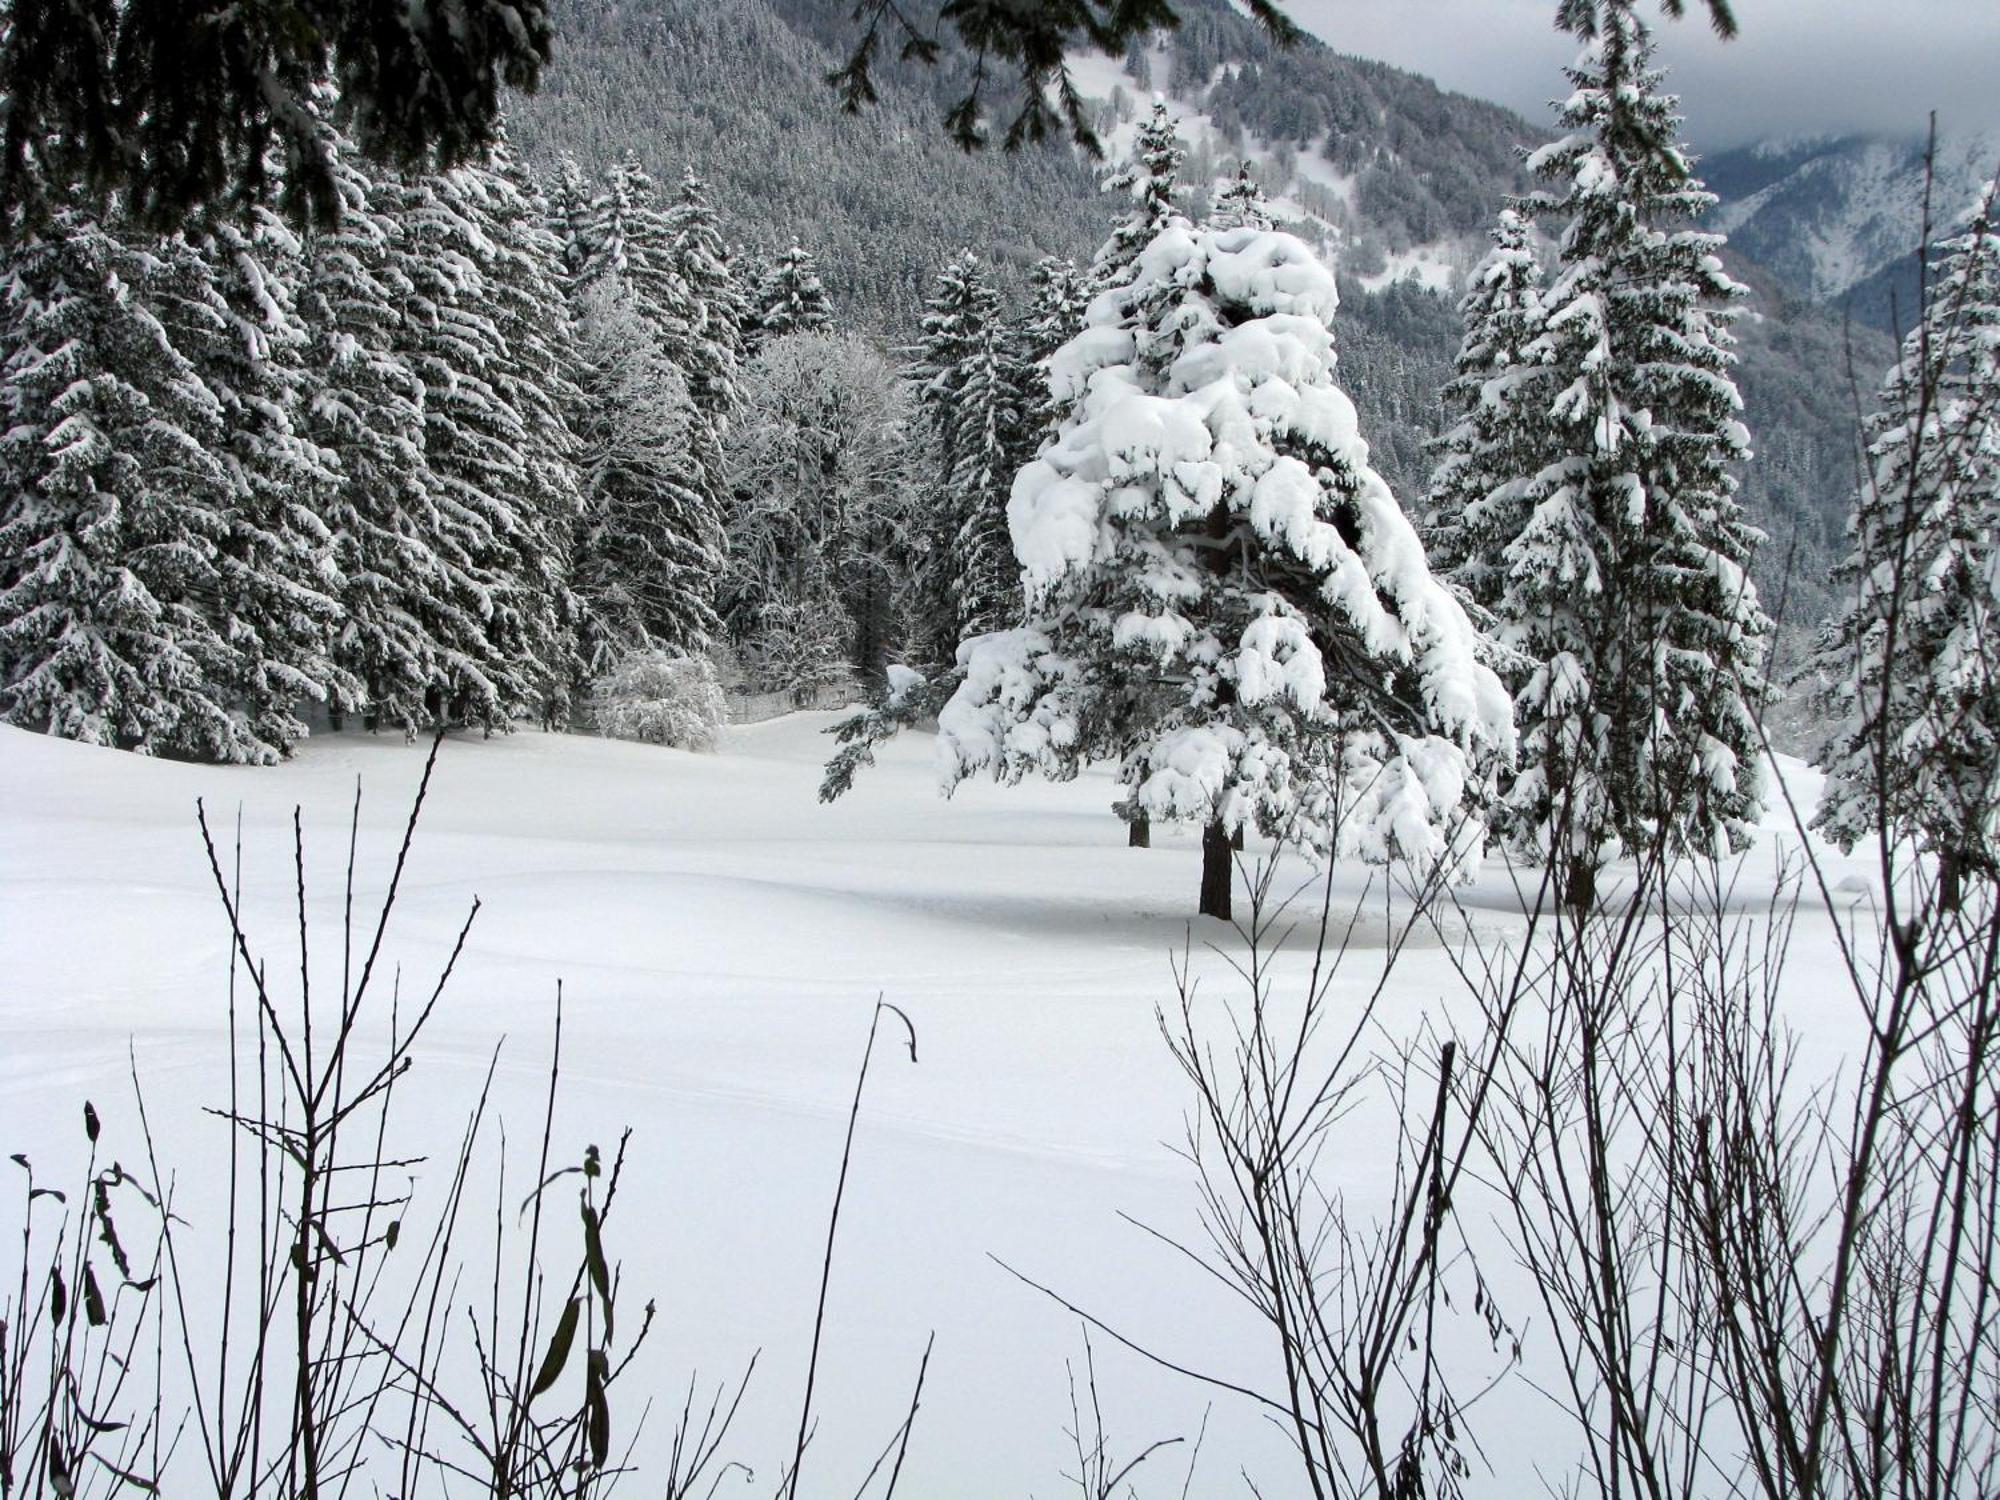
(790, 298)
(1242, 204)
(1223, 597)
(821, 484)
(1623, 550)
(661, 698)
(1908, 673)
(230, 305)
(651, 547)
(976, 389)
(1150, 180)
(1478, 493)
(110, 540)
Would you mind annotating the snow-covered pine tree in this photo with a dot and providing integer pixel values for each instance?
(1242, 204)
(1056, 300)
(1910, 673)
(791, 298)
(569, 217)
(1206, 524)
(711, 353)
(1150, 180)
(408, 620)
(650, 552)
(478, 454)
(537, 382)
(1628, 586)
(111, 529)
(977, 393)
(230, 306)
(1496, 403)
(628, 235)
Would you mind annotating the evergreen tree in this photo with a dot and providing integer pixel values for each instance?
(627, 234)
(1057, 297)
(232, 310)
(112, 530)
(408, 624)
(1910, 673)
(1150, 179)
(1305, 672)
(1627, 585)
(536, 381)
(711, 353)
(977, 393)
(1241, 205)
(790, 298)
(1478, 495)
(651, 548)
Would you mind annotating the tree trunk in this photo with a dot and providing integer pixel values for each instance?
(1951, 881)
(1216, 872)
(1236, 839)
(1581, 894)
(1138, 832)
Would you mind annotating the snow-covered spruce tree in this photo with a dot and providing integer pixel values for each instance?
(1056, 300)
(112, 525)
(569, 198)
(1628, 583)
(651, 547)
(821, 496)
(480, 456)
(1150, 180)
(409, 626)
(1242, 204)
(975, 391)
(626, 234)
(1497, 404)
(1223, 597)
(790, 298)
(711, 349)
(536, 381)
(1910, 674)
(230, 305)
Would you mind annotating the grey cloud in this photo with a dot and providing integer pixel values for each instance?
(1799, 67)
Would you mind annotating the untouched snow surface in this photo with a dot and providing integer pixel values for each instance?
(722, 938)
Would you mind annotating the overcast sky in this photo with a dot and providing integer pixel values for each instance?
(1799, 66)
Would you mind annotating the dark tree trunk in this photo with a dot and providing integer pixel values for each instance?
(1216, 872)
(1581, 894)
(1236, 839)
(1138, 831)
(335, 720)
(1951, 881)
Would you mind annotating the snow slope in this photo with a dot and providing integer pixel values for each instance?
(721, 937)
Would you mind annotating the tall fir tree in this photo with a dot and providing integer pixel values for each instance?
(1206, 524)
(408, 622)
(1910, 673)
(1150, 179)
(1496, 403)
(1242, 204)
(650, 552)
(535, 381)
(791, 298)
(234, 313)
(1628, 583)
(114, 518)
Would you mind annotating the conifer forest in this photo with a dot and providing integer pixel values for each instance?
(1051, 747)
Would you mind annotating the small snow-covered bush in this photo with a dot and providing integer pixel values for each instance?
(661, 699)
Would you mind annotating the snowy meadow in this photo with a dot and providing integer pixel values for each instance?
(721, 939)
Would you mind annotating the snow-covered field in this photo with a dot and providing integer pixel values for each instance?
(721, 938)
